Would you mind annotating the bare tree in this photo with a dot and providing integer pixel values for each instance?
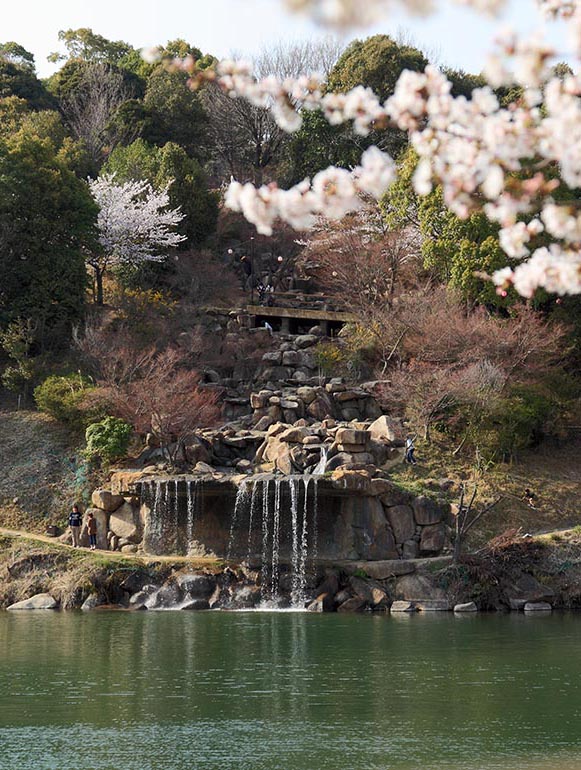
(467, 517)
(246, 139)
(286, 59)
(89, 107)
(157, 393)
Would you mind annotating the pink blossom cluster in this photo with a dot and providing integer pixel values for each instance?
(135, 223)
(331, 193)
(485, 156)
(361, 13)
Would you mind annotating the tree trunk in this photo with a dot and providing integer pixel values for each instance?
(99, 282)
(457, 548)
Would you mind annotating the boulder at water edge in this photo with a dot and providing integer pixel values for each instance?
(466, 607)
(38, 602)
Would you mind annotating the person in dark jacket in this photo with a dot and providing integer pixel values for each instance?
(75, 523)
(92, 531)
(246, 264)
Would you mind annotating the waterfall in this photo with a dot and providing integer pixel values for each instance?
(253, 505)
(294, 493)
(315, 548)
(191, 508)
(241, 498)
(275, 542)
(265, 531)
(157, 514)
(279, 527)
(194, 495)
(322, 464)
(304, 547)
(176, 518)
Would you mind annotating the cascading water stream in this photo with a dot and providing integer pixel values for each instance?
(274, 580)
(241, 499)
(294, 493)
(315, 537)
(265, 532)
(175, 515)
(191, 491)
(157, 513)
(251, 516)
(319, 468)
(304, 547)
(268, 513)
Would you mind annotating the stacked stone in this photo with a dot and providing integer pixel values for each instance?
(312, 402)
(294, 360)
(119, 526)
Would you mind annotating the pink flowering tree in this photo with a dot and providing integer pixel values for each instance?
(135, 225)
(507, 161)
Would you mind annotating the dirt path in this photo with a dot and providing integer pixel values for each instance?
(143, 559)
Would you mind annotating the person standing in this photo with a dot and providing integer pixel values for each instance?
(410, 448)
(75, 523)
(92, 531)
(246, 265)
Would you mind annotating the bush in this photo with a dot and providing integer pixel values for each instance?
(518, 421)
(65, 399)
(108, 440)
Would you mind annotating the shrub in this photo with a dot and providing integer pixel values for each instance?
(64, 398)
(108, 439)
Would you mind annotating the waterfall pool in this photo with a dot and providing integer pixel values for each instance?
(288, 691)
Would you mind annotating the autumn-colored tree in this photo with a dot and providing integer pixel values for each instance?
(156, 393)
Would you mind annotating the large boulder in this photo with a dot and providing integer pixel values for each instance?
(427, 511)
(306, 394)
(526, 589)
(349, 437)
(402, 606)
(279, 453)
(361, 530)
(354, 481)
(433, 538)
(102, 519)
(386, 569)
(305, 341)
(125, 523)
(37, 602)
(321, 406)
(197, 586)
(106, 500)
(290, 358)
(418, 587)
(401, 521)
(168, 597)
(369, 591)
(294, 435)
(352, 605)
(384, 428)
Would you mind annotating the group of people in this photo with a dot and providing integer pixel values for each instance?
(76, 525)
(265, 291)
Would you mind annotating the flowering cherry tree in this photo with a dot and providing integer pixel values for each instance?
(505, 160)
(135, 225)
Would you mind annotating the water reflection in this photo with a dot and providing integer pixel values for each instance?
(259, 691)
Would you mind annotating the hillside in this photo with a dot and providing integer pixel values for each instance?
(41, 470)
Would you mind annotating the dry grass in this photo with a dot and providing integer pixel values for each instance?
(40, 475)
(552, 472)
(31, 564)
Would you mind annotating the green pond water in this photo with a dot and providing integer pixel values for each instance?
(288, 691)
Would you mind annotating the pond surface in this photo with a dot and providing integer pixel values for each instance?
(288, 691)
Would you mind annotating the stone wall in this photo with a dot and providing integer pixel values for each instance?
(349, 516)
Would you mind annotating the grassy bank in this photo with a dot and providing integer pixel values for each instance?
(31, 565)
